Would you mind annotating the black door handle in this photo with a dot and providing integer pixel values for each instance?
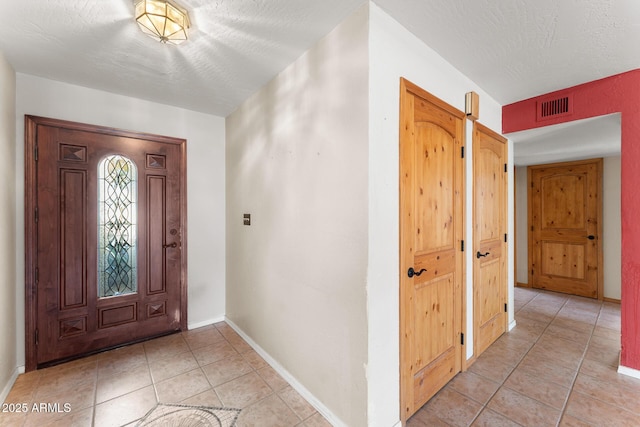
(479, 255)
(171, 245)
(412, 272)
(591, 237)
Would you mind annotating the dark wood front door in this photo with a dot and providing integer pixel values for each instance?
(105, 238)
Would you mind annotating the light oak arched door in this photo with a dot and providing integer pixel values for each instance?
(431, 257)
(489, 237)
(565, 226)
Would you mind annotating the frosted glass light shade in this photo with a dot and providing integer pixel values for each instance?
(162, 20)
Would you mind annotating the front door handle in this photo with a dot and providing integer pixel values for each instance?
(170, 245)
(412, 272)
(479, 255)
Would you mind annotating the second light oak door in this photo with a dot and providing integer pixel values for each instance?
(489, 236)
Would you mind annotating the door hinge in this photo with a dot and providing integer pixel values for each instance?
(505, 237)
(505, 167)
(35, 153)
(532, 273)
(37, 275)
(462, 245)
(36, 336)
(36, 216)
(462, 338)
(462, 151)
(505, 307)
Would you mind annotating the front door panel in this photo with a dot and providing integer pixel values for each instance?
(109, 240)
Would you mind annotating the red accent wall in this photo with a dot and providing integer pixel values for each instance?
(615, 94)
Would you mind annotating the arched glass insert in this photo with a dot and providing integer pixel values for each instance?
(117, 231)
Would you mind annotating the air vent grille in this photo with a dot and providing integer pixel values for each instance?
(551, 108)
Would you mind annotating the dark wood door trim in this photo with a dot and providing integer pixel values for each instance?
(30, 204)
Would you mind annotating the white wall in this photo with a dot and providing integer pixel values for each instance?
(297, 162)
(395, 53)
(611, 227)
(205, 177)
(8, 362)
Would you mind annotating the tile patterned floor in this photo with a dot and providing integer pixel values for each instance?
(210, 366)
(557, 367)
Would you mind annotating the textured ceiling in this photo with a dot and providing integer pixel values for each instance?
(235, 46)
(517, 49)
(513, 49)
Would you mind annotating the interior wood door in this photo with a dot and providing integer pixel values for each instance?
(489, 236)
(106, 256)
(565, 225)
(431, 258)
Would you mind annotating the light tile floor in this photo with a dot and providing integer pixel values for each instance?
(210, 366)
(558, 366)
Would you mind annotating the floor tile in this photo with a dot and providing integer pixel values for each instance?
(296, 402)
(596, 412)
(539, 389)
(172, 365)
(424, 417)
(226, 369)
(183, 386)
(122, 383)
(207, 398)
(254, 359)
(453, 408)
(316, 420)
(214, 352)
(124, 359)
(269, 412)
(474, 386)
(197, 338)
(569, 421)
(160, 348)
(489, 418)
(125, 409)
(243, 391)
(271, 377)
(612, 392)
(546, 369)
(523, 410)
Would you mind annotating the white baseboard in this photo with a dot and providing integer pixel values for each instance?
(511, 325)
(197, 325)
(7, 388)
(630, 372)
(319, 406)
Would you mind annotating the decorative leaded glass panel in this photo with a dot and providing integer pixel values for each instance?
(117, 231)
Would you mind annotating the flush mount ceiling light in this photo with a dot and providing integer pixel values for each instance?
(162, 20)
